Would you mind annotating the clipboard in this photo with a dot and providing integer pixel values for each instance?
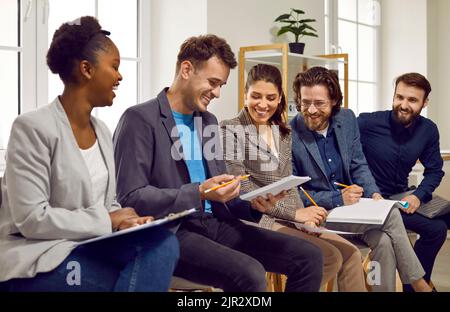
(167, 219)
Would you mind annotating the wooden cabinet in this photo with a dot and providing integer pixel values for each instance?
(290, 64)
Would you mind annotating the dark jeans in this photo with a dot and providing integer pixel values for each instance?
(235, 256)
(433, 233)
(139, 261)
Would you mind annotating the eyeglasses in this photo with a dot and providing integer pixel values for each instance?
(305, 104)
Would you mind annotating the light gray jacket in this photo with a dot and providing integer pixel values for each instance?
(47, 193)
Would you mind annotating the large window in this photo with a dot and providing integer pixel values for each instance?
(10, 74)
(26, 82)
(352, 26)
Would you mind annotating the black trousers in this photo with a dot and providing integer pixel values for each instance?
(235, 256)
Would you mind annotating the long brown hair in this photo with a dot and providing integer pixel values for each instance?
(319, 76)
(269, 73)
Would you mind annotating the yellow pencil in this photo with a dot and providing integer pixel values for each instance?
(341, 184)
(309, 197)
(225, 184)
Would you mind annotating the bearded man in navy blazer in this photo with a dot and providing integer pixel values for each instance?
(326, 147)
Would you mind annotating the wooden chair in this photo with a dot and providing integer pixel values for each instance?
(179, 284)
(277, 283)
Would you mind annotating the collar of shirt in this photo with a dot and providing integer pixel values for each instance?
(330, 130)
(184, 118)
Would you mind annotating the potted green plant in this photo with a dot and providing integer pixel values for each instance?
(297, 26)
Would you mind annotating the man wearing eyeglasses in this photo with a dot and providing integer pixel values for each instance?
(326, 146)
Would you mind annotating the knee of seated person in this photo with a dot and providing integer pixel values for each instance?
(167, 248)
(172, 245)
(252, 278)
(332, 261)
(355, 252)
(311, 256)
(438, 230)
(384, 241)
(395, 214)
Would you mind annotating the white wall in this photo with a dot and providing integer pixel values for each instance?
(250, 22)
(444, 188)
(403, 43)
(439, 66)
(172, 21)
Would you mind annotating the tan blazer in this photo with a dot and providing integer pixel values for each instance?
(245, 152)
(47, 193)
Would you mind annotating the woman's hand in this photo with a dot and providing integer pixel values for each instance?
(313, 226)
(265, 205)
(126, 217)
(133, 221)
(312, 213)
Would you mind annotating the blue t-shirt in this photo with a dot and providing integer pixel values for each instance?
(192, 149)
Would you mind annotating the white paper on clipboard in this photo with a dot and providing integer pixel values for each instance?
(169, 218)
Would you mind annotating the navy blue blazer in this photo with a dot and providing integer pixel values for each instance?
(306, 159)
(152, 175)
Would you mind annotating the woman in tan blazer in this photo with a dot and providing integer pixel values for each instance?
(258, 142)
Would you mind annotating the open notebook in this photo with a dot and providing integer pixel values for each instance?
(366, 211)
(170, 217)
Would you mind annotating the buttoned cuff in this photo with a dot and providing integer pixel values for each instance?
(337, 199)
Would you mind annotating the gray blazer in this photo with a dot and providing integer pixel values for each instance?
(47, 193)
(152, 175)
(308, 162)
(246, 153)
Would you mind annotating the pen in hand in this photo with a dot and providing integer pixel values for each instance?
(341, 184)
(309, 197)
(225, 184)
(313, 202)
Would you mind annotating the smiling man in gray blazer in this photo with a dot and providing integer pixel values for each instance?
(326, 147)
(168, 153)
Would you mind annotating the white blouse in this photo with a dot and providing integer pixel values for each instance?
(97, 171)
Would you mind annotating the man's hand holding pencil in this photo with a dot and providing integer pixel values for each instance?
(225, 187)
(220, 188)
(352, 193)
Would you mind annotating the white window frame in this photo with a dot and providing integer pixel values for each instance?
(33, 50)
(332, 47)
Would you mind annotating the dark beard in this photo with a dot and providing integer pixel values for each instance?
(405, 122)
(313, 126)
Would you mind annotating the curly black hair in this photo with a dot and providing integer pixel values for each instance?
(73, 42)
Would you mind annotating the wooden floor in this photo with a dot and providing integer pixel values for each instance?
(441, 271)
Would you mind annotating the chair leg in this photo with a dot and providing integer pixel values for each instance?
(275, 282)
(431, 284)
(398, 282)
(330, 285)
(269, 282)
(365, 265)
